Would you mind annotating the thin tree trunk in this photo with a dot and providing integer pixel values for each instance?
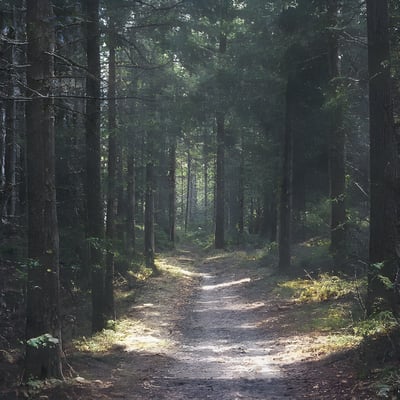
(121, 197)
(205, 173)
(274, 218)
(220, 184)
(172, 191)
(43, 333)
(219, 239)
(337, 177)
(193, 192)
(149, 245)
(182, 193)
(285, 203)
(188, 187)
(383, 161)
(109, 307)
(241, 191)
(94, 208)
(131, 191)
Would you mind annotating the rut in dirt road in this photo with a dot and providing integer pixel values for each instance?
(222, 353)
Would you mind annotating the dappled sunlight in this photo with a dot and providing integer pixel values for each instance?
(150, 344)
(216, 305)
(226, 339)
(217, 257)
(142, 306)
(139, 336)
(291, 349)
(218, 359)
(177, 270)
(226, 284)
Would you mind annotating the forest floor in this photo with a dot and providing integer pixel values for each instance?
(211, 326)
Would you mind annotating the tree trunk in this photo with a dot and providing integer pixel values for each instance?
(383, 161)
(337, 174)
(219, 239)
(10, 157)
(205, 174)
(220, 184)
(131, 191)
(20, 122)
(241, 193)
(94, 208)
(9, 205)
(121, 196)
(172, 191)
(273, 211)
(188, 187)
(149, 245)
(109, 308)
(43, 333)
(285, 202)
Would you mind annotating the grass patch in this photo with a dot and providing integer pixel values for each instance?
(130, 331)
(323, 318)
(323, 288)
(325, 307)
(101, 342)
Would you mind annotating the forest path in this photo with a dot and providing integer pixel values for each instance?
(211, 327)
(222, 352)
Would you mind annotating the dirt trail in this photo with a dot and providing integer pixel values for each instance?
(213, 332)
(222, 352)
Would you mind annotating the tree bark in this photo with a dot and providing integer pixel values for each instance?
(10, 197)
(383, 161)
(285, 202)
(94, 208)
(20, 121)
(43, 333)
(131, 192)
(172, 191)
(188, 188)
(109, 307)
(219, 239)
(149, 245)
(241, 192)
(205, 177)
(337, 173)
(220, 184)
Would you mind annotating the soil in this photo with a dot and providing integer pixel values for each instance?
(210, 327)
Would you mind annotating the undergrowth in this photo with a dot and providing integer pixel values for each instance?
(324, 287)
(332, 305)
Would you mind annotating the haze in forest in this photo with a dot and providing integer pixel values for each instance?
(143, 143)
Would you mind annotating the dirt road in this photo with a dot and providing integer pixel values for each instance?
(223, 353)
(210, 328)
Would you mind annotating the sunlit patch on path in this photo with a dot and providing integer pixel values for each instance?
(221, 352)
(212, 329)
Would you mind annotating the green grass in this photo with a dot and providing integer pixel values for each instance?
(324, 287)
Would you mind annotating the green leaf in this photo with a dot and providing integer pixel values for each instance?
(42, 341)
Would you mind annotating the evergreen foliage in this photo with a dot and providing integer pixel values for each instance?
(175, 119)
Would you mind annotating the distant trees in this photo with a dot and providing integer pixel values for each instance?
(231, 121)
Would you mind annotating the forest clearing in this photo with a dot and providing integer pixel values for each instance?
(199, 199)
